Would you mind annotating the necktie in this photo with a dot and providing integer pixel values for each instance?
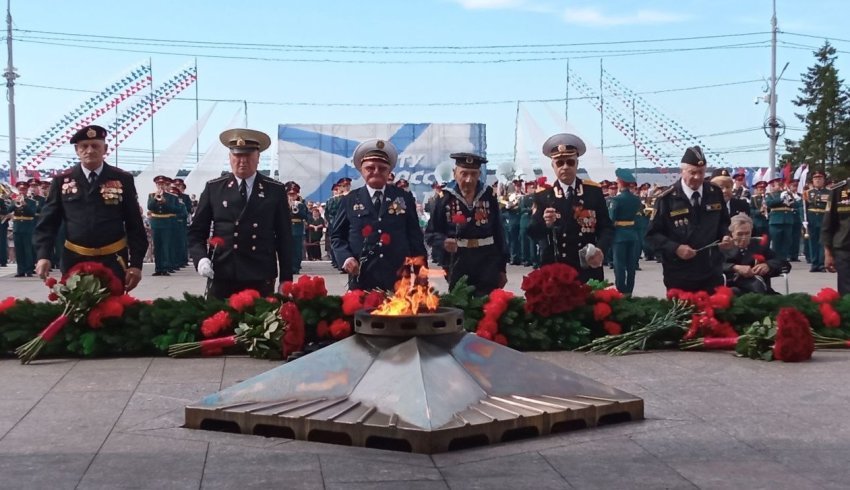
(569, 192)
(377, 201)
(243, 190)
(695, 204)
(92, 178)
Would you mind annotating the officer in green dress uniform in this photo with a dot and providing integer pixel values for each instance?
(5, 212)
(835, 234)
(331, 209)
(739, 189)
(797, 227)
(571, 216)
(25, 210)
(690, 223)
(510, 209)
(163, 207)
(758, 209)
(816, 200)
(781, 218)
(466, 224)
(528, 248)
(298, 216)
(623, 210)
(179, 188)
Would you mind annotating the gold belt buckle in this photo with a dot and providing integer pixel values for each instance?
(472, 243)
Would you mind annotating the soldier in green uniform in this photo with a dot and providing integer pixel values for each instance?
(162, 211)
(179, 188)
(816, 200)
(526, 203)
(332, 209)
(510, 209)
(835, 234)
(797, 227)
(298, 216)
(5, 216)
(623, 210)
(781, 218)
(758, 209)
(24, 211)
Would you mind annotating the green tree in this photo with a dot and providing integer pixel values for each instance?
(827, 116)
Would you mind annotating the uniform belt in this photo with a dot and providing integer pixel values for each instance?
(781, 209)
(624, 223)
(816, 210)
(23, 218)
(96, 251)
(157, 215)
(475, 242)
(297, 220)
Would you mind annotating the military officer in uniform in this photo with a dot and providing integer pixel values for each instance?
(571, 215)
(780, 204)
(376, 227)
(298, 216)
(734, 206)
(759, 210)
(25, 210)
(528, 248)
(689, 224)
(835, 234)
(739, 189)
(163, 207)
(466, 223)
(179, 188)
(510, 208)
(250, 212)
(331, 206)
(100, 208)
(623, 210)
(5, 216)
(816, 200)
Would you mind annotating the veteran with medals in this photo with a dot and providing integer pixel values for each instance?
(376, 226)
(689, 224)
(250, 213)
(835, 234)
(571, 221)
(100, 209)
(466, 223)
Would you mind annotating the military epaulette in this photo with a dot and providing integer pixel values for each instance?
(591, 183)
(274, 182)
(66, 172)
(222, 178)
(838, 185)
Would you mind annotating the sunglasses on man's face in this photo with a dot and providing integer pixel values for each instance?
(568, 162)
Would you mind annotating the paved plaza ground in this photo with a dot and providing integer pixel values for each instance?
(712, 421)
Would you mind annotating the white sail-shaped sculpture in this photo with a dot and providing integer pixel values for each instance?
(213, 162)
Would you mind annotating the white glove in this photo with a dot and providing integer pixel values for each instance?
(205, 268)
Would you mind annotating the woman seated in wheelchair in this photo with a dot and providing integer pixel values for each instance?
(750, 264)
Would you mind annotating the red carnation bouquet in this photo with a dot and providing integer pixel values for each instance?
(81, 292)
(305, 288)
(788, 338)
(214, 243)
(357, 299)
(554, 289)
(488, 326)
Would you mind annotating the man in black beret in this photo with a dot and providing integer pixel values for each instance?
(689, 224)
(100, 208)
(466, 224)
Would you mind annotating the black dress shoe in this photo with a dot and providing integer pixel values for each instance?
(19, 275)
(29, 274)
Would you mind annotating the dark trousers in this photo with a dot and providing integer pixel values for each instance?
(842, 266)
(223, 288)
(780, 240)
(815, 249)
(4, 244)
(625, 262)
(24, 252)
(161, 251)
(706, 285)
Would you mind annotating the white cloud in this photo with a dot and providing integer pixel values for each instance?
(528, 5)
(595, 17)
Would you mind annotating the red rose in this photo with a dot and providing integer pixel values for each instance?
(500, 339)
(293, 339)
(612, 328)
(286, 288)
(458, 219)
(373, 299)
(758, 258)
(52, 296)
(764, 240)
(50, 282)
(831, 318)
(719, 301)
(111, 307)
(385, 239)
(601, 311)
(366, 231)
(352, 301)
(826, 295)
(95, 318)
(7, 303)
(216, 241)
(243, 300)
(340, 329)
(214, 324)
(794, 340)
(322, 329)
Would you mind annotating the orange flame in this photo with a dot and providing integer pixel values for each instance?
(412, 293)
